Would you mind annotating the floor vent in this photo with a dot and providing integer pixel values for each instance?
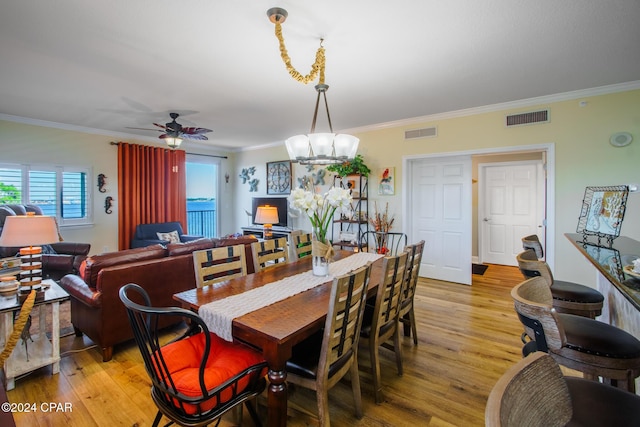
(541, 116)
(421, 133)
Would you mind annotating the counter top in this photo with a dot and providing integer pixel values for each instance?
(610, 261)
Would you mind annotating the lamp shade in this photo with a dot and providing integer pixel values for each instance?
(267, 215)
(29, 230)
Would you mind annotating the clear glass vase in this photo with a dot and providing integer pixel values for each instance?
(319, 251)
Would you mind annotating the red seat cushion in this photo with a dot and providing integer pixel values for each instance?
(225, 361)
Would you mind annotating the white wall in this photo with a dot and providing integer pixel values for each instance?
(584, 157)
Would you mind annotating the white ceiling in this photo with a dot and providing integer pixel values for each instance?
(109, 65)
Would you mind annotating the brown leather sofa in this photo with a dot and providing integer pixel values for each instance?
(96, 309)
(58, 259)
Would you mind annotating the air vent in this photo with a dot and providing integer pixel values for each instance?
(541, 116)
(421, 133)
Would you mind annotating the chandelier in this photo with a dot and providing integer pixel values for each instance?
(313, 148)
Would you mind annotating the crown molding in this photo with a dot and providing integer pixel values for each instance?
(558, 97)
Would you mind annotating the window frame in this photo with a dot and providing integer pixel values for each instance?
(60, 170)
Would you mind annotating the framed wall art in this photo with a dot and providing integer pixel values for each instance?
(279, 177)
(603, 211)
(387, 182)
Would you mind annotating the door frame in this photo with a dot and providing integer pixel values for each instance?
(482, 194)
(547, 148)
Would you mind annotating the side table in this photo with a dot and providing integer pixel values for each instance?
(42, 351)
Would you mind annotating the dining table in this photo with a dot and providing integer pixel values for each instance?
(274, 329)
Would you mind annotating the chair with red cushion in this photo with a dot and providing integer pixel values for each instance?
(198, 377)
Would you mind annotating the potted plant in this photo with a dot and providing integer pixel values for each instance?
(351, 167)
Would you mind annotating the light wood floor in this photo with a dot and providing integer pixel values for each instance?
(468, 336)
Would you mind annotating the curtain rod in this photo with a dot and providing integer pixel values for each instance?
(186, 152)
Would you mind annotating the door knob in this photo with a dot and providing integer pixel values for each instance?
(487, 219)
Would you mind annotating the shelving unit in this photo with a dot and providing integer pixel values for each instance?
(359, 223)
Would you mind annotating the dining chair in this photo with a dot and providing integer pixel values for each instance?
(269, 253)
(197, 377)
(533, 242)
(407, 313)
(382, 317)
(319, 362)
(389, 243)
(535, 393)
(594, 348)
(299, 244)
(568, 297)
(218, 264)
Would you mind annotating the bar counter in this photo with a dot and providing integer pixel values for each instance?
(620, 289)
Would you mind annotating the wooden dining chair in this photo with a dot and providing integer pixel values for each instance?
(594, 348)
(407, 314)
(299, 244)
(568, 297)
(218, 264)
(197, 377)
(535, 393)
(269, 253)
(381, 320)
(319, 362)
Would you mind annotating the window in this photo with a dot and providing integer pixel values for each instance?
(61, 191)
(202, 191)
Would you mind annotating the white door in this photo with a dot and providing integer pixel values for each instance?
(510, 207)
(440, 213)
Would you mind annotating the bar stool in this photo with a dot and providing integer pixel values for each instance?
(594, 348)
(568, 297)
(532, 242)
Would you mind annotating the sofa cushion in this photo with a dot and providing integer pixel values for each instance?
(5, 211)
(174, 249)
(232, 241)
(92, 265)
(171, 236)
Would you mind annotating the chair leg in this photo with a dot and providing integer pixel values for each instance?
(398, 350)
(156, 421)
(414, 331)
(253, 413)
(323, 406)
(375, 369)
(355, 387)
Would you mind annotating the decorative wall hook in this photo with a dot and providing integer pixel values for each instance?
(108, 202)
(102, 181)
(226, 178)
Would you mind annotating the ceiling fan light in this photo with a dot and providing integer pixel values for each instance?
(297, 147)
(322, 144)
(346, 145)
(173, 142)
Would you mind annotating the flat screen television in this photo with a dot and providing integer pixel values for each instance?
(281, 203)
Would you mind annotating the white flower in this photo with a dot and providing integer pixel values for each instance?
(321, 208)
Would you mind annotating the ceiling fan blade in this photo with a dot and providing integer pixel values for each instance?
(195, 130)
(198, 137)
(145, 129)
(160, 126)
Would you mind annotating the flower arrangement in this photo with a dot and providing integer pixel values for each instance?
(381, 222)
(320, 208)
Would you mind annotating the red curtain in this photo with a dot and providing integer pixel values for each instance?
(151, 188)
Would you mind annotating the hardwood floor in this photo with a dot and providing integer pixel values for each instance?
(468, 336)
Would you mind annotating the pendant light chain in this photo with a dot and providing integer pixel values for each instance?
(316, 68)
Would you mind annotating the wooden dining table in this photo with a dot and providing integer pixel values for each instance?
(276, 328)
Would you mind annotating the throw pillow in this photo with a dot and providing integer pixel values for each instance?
(171, 236)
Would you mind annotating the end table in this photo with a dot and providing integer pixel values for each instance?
(42, 351)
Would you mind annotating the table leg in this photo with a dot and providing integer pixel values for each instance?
(55, 336)
(276, 358)
(7, 329)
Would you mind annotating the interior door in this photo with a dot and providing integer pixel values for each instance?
(511, 198)
(440, 213)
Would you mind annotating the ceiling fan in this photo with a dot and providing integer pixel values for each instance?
(174, 132)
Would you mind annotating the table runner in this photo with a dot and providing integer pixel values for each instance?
(218, 315)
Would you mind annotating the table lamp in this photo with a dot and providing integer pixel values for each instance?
(267, 215)
(29, 231)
